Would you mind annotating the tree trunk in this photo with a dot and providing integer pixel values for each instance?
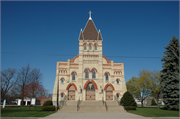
(142, 103)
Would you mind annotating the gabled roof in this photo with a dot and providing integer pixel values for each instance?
(90, 32)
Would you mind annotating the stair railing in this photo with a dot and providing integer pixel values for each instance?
(106, 106)
(103, 100)
(78, 103)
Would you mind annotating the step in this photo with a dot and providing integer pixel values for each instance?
(68, 109)
(116, 109)
(112, 103)
(92, 109)
(71, 103)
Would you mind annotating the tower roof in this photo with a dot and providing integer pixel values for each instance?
(90, 32)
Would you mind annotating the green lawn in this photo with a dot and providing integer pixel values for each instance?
(18, 111)
(155, 112)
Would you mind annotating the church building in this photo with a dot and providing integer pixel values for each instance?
(89, 75)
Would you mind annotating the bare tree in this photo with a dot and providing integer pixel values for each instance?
(36, 77)
(8, 80)
(23, 77)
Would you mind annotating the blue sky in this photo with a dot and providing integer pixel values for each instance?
(137, 29)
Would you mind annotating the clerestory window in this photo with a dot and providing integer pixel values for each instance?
(107, 77)
(87, 73)
(95, 46)
(73, 76)
(85, 46)
(94, 74)
(90, 46)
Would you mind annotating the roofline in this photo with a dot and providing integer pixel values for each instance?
(93, 23)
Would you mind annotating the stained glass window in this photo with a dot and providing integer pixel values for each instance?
(62, 80)
(94, 73)
(62, 95)
(95, 46)
(73, 76)
(107, 77)
(87, 73)
(118, 81)
(85, 46)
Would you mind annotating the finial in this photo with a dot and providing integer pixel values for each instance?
(90, 15)
(99, 30)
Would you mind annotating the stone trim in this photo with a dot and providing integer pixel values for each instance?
(85, 85)
(108, 85)
(70, 85)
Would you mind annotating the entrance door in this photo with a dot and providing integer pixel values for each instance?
(71, 93)
(90, 92)
(109, 93)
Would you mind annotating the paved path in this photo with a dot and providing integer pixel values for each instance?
(90, 115)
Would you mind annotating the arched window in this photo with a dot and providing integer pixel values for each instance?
(118, 95)
(62, 80)
(73, 76)
(107, 77)
(87, 73)
(94, 74)
(88, 87)
(62, 95)
(117, 81)
(95, 46)
(92, 87)
(90, 46)
(85, 46)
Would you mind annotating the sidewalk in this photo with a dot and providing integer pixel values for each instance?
(90, 115)
(102, 115)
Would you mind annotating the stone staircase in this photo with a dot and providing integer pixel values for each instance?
(92, 106)
(113, 106)
(70, 106)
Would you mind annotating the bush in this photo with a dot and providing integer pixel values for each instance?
(48, 108)
(48, 103)
(130, 107)
(128, 100)
(153, 102)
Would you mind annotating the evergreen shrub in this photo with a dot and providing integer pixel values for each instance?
(130, 107)
(128, 100)
(153, 102)
(48, 103)
(48, 108)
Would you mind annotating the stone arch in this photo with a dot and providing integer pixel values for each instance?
(70, 85)
(62, 78)
(106, 72)
(108, 85)
(94, 83)
(73, 72)
(88, 69)
(95, 69)
(62, 93)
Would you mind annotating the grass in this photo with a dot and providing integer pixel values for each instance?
(154, 112)
(19, 111)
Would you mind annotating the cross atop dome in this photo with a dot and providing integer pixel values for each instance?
(90, 15)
